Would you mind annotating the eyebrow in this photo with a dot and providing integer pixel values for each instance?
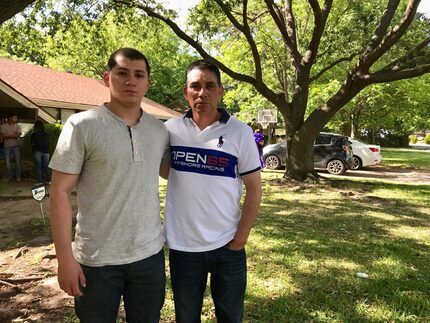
(128, 70)
(205, 83)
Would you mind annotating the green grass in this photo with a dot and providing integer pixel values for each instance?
(310, 241)
(406, 158)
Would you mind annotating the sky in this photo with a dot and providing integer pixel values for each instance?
(424, 7)
(183, 6)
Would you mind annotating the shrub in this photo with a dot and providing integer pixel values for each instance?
(427, 139)
(394, 140)
(413, 139)
(53, 131)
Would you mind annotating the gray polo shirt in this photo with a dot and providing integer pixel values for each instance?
(118, 220)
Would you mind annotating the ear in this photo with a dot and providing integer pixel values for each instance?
(184, 91)
(106, 77)
(221, 90)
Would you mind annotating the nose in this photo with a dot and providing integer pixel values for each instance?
(131, 81)
(202, 91)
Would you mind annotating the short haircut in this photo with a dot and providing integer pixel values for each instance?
(203, 64)
(39, 125)
(11, 114)
(130, 53)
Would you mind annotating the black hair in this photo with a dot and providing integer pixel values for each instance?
(203, 64)
(130, 53)
(38, 125)
(11, 114)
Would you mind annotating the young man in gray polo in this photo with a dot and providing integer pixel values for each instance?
(112, 155)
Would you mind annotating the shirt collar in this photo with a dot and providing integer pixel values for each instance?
(222, 119)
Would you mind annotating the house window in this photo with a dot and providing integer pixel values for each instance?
(65, 114)
(54, 112)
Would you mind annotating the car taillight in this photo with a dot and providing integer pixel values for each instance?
(375, 150)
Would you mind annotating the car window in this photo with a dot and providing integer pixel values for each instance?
(323, 140)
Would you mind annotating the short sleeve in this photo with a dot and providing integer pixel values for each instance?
(249, 159)
(69, 154)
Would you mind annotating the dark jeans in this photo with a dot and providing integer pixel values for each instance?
(41, 162)
(142, 285)
(13, 153)
(189, 272)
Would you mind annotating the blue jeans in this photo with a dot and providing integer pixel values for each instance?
(41, 162)
(142, 285)
(189, 272)
(9, 154)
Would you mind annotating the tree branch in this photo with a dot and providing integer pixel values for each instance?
(331, 65)
(414, 53)
(390, 76)
(383, 24)
(246, 31)
(320, 19)
(289, 43)
(391, 38)
(276, 99)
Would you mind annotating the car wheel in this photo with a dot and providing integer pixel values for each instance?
(336, 167)
(272, 162)
(357, 164)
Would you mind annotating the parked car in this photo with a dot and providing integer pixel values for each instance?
(331, 152)
(364, 154)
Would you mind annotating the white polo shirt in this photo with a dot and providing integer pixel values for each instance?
(202, 208)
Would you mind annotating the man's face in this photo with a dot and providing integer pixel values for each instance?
(202, 91)
(128, 81)
(13, 119)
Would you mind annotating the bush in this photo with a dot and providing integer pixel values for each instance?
(427, 139)
(53, 131)
(413, 139)
(391, 140)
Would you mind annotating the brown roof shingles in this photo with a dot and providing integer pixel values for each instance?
(36, 82)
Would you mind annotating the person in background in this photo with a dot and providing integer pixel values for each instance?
(10, 132)
(39, 140)
(112, 154)
(212, 156)
(259, 140)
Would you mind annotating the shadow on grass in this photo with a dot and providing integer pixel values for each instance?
(321, 244)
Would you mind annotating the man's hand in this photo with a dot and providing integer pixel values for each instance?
(70, 276)
(236, 245)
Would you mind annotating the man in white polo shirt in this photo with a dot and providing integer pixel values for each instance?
(112, 155)
(212, 156)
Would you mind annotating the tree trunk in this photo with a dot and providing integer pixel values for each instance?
(300, 158)
(354, 124)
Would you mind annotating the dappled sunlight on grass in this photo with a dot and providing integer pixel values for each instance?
(317, 237)
(412, 232)
(311, 240)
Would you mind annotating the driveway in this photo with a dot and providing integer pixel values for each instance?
(407, 176)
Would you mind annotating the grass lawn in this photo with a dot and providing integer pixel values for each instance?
(406, 158)
(310, 243)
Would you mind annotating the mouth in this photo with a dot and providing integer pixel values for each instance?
(130, 92)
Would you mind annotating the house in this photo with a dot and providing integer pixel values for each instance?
(36, 92)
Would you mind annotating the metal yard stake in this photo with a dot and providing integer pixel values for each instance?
(39, 193)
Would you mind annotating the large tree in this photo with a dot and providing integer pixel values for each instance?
(308, 44)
